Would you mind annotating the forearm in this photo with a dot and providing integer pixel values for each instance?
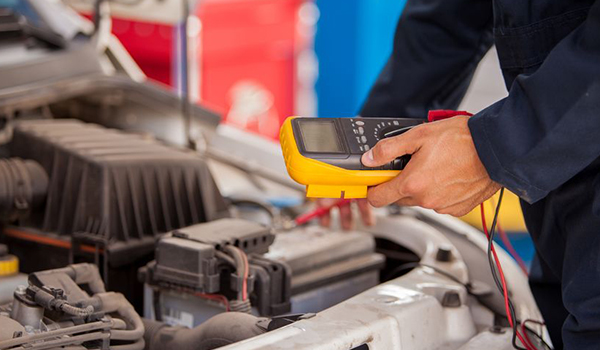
(548, 128)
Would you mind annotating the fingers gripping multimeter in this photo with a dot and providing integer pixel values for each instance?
(325, 153)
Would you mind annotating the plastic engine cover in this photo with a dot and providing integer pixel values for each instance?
(115, 188)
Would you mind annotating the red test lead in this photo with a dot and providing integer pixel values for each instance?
(317, 213)
(441, 114)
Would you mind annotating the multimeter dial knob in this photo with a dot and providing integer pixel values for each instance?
(390, 128)
(393, 131)
(386, 130)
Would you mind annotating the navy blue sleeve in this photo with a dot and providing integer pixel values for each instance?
(548, 128)
(437, 46)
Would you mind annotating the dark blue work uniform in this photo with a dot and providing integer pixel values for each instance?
(541, 142)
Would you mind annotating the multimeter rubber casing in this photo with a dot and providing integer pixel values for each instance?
(325, 153)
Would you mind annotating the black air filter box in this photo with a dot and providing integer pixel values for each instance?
(115, 189)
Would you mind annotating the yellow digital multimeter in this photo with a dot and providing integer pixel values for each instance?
(325, 153)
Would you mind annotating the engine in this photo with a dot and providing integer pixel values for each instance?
(69, 308)
(147, 220)
(54, 311)
(92, 194)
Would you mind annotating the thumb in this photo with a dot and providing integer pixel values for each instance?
(387, 150)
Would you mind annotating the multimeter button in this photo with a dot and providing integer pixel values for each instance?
(363, 139)
(361, 130)
(360, 123)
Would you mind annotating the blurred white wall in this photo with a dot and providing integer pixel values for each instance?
(487, 86)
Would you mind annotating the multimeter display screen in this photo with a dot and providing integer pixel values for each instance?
(320, 136)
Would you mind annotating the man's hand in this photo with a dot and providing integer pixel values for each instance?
(443, 174)
(346, 216)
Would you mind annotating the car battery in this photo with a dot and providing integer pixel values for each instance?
(327, 266)
(322, 268)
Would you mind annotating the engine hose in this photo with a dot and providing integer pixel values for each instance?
(23, 186)
(84, 273)
(221, 330)
(240, 306)
(116, 302)
(130, 335)
(138, 345)
(119, 323)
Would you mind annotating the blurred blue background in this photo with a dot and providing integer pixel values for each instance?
(353, 41)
